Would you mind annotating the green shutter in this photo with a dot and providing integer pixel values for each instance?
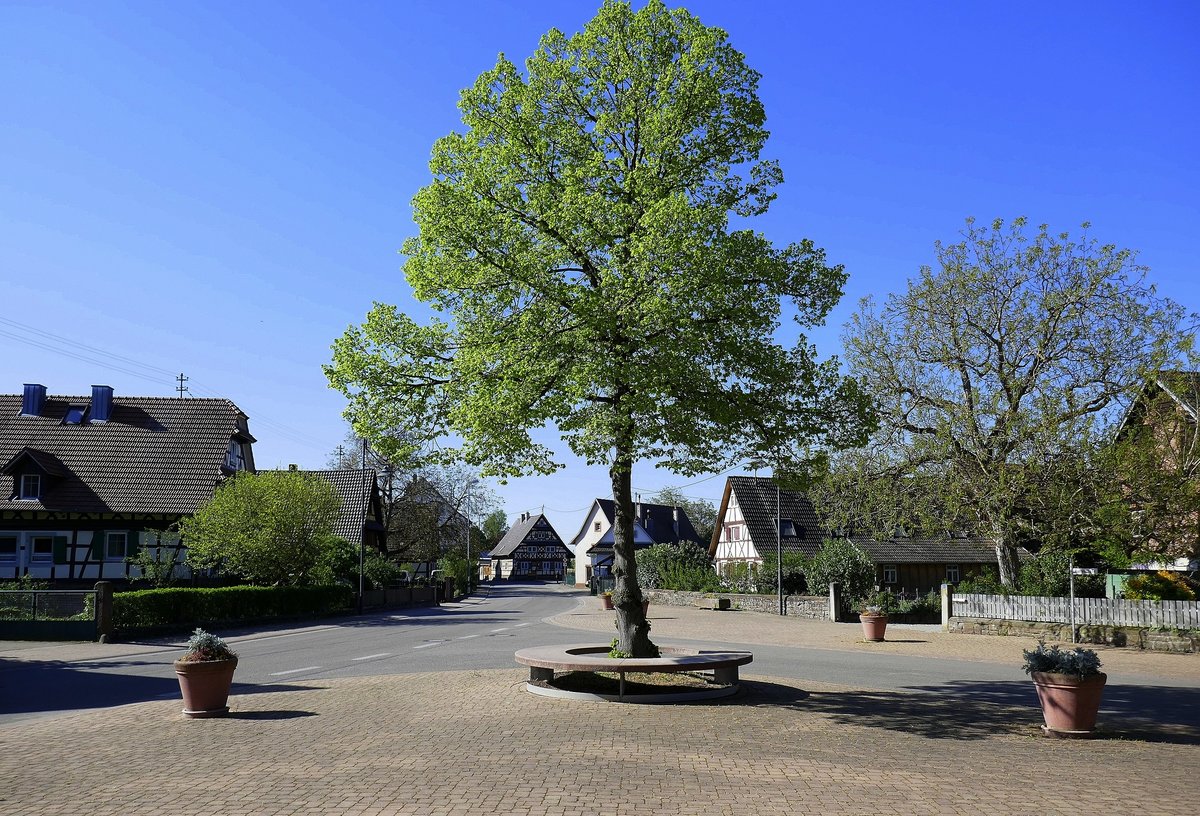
(133, 543)
(97, 549)
(60, 549)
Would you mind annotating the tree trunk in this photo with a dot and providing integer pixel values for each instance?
(633, 630)
(1006, 558)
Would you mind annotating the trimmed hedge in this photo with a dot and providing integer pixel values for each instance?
(178, 607)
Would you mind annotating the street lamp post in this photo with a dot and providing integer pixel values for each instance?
(779, 548)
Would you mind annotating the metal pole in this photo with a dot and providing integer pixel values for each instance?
(1071, 582)
(362, 544)
(779, 550)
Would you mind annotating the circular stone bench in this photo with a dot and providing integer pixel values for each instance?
(544, 661)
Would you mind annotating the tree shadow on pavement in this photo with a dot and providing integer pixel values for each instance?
(269, 715)
(966, 710)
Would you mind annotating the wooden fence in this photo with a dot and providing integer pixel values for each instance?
(1088, 611)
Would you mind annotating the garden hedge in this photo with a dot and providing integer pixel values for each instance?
(186, 607)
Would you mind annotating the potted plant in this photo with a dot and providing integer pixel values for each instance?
(1069, 686)
(205, 674)
(606, 599)
(873, 614)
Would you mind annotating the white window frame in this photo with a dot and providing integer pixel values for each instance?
(953, 574)
(24, 493)
(41, 558)
(109, 538)
(891, 574)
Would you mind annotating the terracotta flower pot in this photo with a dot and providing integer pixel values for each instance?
(205, 686)
(606, 601)
(1069, 703)
(873, 626)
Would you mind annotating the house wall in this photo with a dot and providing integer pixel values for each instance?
(923, 578)
(588, 536)
(76, 553)
(733, 542)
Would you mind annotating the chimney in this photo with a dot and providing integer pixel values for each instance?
(34, 399)
(293, 468)
(102, 397)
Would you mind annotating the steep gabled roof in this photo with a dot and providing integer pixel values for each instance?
(1183, 388)
(154, 455)
(356, 489)
(757, 497)
(536, 528)
(657, 521)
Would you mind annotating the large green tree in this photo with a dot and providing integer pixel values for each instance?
(576, 247)
(994, 373)
(273, 527)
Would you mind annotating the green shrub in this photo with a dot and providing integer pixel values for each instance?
(673, 563)
(1159, 586)
(841, 561)
(987, 582)
(180, 606)
(929, 605)
(795, 582)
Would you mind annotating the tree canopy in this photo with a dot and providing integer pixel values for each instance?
(993, 374)
(576, 246)
(272, 527)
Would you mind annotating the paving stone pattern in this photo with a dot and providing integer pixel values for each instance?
(475, 742)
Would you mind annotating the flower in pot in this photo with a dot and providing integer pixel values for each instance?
(205, 674)
(873, 613)
(1069, 686)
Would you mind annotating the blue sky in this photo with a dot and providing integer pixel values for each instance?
(220, 189)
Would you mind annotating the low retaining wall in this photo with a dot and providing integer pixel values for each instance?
(398, 598)
(815, 607)
(1154, 640)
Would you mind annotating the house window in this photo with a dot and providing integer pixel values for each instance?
(787, 528)
(890, 574)
(31, 486)
(234, 458)
(115, 546)
(597, 527)
(952, 573)
(8, 548)
(42, 548)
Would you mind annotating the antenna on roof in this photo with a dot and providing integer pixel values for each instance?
(181, 388)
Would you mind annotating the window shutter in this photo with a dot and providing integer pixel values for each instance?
(97, 549)
(133, 543)
(60, 549)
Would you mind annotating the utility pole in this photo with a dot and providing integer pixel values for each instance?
(182, 388)
(779, 547)
(362, 544)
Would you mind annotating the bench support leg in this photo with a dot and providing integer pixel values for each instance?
(539, 674)
(727, 675)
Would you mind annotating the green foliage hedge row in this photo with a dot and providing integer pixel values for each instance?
(178, 606)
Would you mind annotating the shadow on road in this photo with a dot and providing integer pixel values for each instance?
(968, 710)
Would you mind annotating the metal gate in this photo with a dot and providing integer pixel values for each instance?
(48, 614)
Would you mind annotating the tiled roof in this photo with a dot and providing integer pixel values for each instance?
(757, 497)
(929, 550)
(355, 488)
(658, 520)
(154, 455)
(516, 535)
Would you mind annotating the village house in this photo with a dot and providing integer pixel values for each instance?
(530, 550)
(85, 481)
(653, 524)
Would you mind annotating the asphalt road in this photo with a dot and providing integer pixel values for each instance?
(482, 633)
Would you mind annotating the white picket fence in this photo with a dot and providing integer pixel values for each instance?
(1092, 611)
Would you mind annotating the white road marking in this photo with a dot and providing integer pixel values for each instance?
(372, 657)
(466, 637)
(294, 671)
(505, 629)
(519, 625)
(427, 645)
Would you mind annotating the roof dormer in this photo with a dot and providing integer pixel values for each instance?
(33, 472)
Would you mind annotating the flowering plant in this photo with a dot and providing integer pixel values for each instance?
(1053, 660)
(203, 647)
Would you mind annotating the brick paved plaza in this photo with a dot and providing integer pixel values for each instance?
(476, 742)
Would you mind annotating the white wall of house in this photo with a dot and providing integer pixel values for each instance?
(593, 530)
(32, 553)
(733, 543)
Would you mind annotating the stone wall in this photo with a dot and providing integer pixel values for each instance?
(1156, 640)
(815, 607)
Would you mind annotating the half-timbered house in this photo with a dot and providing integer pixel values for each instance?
(86, 481)
(757, 517)
(531, 550)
